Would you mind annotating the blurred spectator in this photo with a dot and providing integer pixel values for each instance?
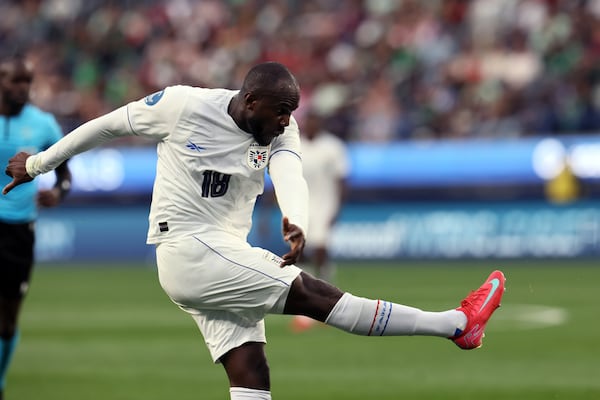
(383, 70)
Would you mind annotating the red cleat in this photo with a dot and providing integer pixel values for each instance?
(479, 306)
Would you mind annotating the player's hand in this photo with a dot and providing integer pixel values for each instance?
(16, 170)
(295, 237)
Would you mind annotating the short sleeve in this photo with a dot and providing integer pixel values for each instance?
(155, 115)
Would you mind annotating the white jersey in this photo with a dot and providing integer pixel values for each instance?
(209, 174)
(209, 171)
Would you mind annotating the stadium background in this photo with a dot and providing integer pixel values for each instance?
(474, 134)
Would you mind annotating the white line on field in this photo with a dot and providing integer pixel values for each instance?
(530, 316)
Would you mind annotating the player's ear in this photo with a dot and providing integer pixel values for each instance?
(250, 99)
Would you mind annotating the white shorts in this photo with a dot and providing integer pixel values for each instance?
(226, 285)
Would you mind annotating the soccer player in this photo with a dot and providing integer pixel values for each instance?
(213, 148)
(23, 127)
(325, 167)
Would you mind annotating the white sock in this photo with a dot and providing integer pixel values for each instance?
(382, 318)
(240, 393)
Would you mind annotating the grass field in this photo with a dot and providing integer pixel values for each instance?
(111, 333)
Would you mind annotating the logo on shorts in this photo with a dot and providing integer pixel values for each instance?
(272, 257)
(258, 156)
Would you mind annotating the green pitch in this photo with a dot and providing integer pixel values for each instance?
(111, 333)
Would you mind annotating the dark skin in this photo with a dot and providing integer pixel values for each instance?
(16, 77)
(265, 116)
(15, 82)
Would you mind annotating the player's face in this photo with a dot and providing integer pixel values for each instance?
(269, 115)
(15, 83)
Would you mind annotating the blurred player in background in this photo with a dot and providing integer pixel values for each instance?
(213, 148)
(325, 167)
(23, 127)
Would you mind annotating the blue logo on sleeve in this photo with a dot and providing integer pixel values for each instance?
(153, 98)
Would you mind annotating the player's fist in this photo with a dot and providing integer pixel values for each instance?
(16, 170)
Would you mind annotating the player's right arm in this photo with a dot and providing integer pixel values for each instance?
(148, 117)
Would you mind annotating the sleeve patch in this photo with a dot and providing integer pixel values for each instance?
(153, 98)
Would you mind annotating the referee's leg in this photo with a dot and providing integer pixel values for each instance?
(16, 260)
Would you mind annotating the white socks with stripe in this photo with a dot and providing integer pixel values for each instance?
(377, 318)
(240, 393)
(382, 318)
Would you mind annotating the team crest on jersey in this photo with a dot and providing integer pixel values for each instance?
(258, 156)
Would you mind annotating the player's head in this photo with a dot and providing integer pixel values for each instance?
(15, 81)
(269, 94)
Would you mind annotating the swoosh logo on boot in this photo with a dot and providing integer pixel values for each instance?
(495, 283)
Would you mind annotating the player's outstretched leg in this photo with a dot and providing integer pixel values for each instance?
(367, 317)
(361, 316)
(479, 306)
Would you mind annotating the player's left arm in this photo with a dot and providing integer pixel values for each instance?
(291, 191)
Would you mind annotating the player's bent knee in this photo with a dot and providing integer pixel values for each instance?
(312, 297)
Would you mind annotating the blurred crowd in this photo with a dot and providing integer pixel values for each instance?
(377, 70)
